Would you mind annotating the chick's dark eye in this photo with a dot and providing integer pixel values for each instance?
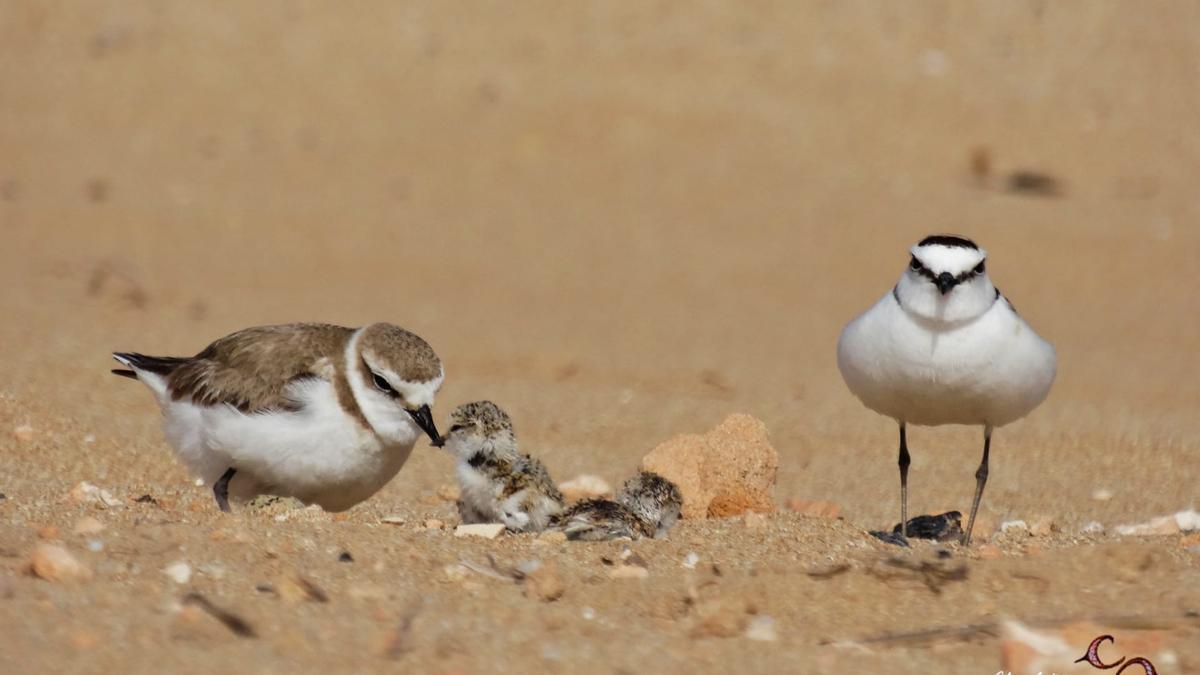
(456, 427)
(979, 268)
(382, 384)
(914, 264)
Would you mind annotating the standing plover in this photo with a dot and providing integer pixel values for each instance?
(497, 483)
(321, 413)
(945, 347)
(648, 505)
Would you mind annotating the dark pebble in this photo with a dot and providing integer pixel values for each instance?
(1034, 183)
(345, 557)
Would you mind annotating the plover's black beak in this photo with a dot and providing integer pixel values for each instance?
(945, 281)
(438, 442)
(424, 419)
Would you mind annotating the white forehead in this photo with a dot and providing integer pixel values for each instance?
(938, 258)
(418, 393)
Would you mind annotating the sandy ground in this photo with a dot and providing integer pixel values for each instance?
(622, 222)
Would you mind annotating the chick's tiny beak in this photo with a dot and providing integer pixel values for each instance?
(945, 281)
(424, 419)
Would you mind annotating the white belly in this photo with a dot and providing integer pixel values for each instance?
(993, 370)
(479, 493)
(319, 454)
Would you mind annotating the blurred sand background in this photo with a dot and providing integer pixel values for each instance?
(622, 222)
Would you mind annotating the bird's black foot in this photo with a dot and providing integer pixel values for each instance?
(894, 538)
(221, 489)
(943, 527)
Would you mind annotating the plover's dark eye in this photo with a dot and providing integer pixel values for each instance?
(382, 384)
(979, 268)
(914, 264)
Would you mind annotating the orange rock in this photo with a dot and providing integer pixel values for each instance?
(48, 532)
(814, 509)
(725, 472)
(52, 562)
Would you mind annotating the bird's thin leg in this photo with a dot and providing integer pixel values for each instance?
(981, 475)
(221, 489)
(904, 462)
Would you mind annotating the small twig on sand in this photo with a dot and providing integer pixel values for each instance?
(829, 572)
(236, 624)
(400, 641)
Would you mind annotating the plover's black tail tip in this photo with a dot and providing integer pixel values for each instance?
(125, 373)
(159, 365)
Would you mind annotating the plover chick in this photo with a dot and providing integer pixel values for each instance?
(944, 346)
(498, 484)
(648, 505)
(600, 520)
(655, 501)
(321, 413)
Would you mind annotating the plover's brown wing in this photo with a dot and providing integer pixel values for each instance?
(252, 368)
(534, 474)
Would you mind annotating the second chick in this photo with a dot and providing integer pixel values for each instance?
(648, 505)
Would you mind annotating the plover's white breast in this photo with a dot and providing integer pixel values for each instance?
(990, 370)
(317, 453)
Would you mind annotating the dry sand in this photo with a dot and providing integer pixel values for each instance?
(622, 222)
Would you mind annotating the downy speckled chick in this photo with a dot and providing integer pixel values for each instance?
(600, 520)
(654, 500)
(497, 483)
(648, 505)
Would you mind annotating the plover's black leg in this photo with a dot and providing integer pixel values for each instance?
(981, 475)
(904, 462)
(221, 489)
